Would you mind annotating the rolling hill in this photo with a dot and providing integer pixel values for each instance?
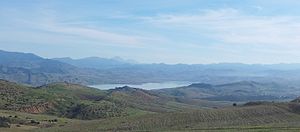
(77, 101)
(60, 99)
(255, 117)
(74, 107)
(237, 91)
(234, 118)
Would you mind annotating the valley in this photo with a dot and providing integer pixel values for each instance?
(63, 94)
(149, 66)
(72, 107)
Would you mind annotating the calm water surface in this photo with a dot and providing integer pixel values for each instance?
(147, 86)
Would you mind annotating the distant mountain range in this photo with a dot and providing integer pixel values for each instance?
(31, 69)
(97, 62)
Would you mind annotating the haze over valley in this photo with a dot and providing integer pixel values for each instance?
(129, 65)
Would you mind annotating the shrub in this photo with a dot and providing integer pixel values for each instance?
(4, 122)
(34, 122)
(234, 104)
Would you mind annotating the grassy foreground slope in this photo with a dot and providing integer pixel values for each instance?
(262, 117)
(20, 121)
(259, 117)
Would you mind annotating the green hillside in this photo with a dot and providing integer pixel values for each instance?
(259, 117)
(60, 99)
(80, 102)
(71, 107)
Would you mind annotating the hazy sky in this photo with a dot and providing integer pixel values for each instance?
(170, 31)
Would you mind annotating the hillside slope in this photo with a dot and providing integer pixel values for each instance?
(76, 101)
(133, 109)
(261, 117)
(60, 99)
(237, 91)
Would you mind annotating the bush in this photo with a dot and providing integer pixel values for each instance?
(4, 122)
(234, 104)
(34, 122)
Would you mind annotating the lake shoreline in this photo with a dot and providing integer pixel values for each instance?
(146, 86)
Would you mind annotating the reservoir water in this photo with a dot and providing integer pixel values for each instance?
(147, 86)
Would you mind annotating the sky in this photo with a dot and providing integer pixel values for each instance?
(155, 31)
